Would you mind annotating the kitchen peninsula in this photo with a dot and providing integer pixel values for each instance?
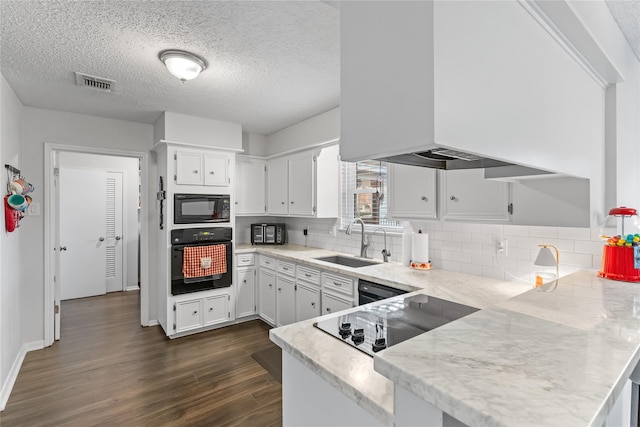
(556, 356)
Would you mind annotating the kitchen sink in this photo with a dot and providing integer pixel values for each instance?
(346, 261)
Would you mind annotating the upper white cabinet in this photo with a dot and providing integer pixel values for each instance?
(481, 77)
(304, 184)
(200, 168)
(250, 186)
(413, 192)
(277, 181)
(466, 195)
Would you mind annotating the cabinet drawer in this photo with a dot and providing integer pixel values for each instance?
(286, 268)
(308, 274)
(244, 260)
(267, 262)
(337, 283)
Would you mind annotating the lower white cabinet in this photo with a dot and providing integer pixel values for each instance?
(245, 286)
(267, 295)
(307, 302)
(217, 309)
(188, 315)
(333, 303)
(204, 311)
(285, 300)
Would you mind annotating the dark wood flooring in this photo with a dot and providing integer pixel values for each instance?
(108, 370)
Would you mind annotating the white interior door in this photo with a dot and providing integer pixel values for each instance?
(82, 233)
(114, 237)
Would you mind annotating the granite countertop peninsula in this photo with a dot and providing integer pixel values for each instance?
(346, 368)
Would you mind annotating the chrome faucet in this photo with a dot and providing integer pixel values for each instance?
(385, 253)
(364, 243)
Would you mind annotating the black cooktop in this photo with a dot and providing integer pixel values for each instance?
(385, 323)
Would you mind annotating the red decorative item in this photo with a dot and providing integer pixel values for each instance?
(623, 211)
(621, 254)
(11, 216)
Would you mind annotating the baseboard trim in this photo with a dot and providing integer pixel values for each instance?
(15, 370)
(132, 288)
(152, 323)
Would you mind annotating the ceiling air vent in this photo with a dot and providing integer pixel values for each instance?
(98, 83)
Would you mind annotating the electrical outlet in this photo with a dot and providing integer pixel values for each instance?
(501, 248)
(305, 231)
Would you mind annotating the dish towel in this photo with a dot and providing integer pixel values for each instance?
(200, 261)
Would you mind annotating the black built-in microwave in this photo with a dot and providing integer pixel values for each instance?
(201, 208)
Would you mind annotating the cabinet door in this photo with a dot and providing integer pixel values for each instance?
(189, 168)
(246, 297)
(216, 170)
(216, 309)
(412, 192)
(267, 295)
(302, 184)
(250, 187)
(285, 300)
(277, 194)
(307, 302)
(188, 315)
(468, 196)
(334, 304)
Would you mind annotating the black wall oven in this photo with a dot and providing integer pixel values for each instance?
(201, 208)
(200, 242)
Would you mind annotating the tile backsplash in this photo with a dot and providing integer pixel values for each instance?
(464, 247)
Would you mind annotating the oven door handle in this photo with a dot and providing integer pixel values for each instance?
(202, 279)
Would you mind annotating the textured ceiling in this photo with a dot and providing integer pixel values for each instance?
(271, 63)
(627, 15)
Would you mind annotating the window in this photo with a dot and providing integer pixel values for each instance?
(365, 193)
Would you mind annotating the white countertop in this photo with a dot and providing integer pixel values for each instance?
(343, 366)
(556, 358)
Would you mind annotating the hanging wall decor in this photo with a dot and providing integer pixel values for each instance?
(17, 199)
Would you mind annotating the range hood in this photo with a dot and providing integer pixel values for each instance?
(444, 158)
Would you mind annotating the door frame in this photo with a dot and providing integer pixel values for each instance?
(50, 230)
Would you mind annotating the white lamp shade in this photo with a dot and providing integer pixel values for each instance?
(182, 64)
(545, 258)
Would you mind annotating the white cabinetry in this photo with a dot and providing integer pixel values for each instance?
(250, 186)
(413, 192)
(307, 293)
(285, 293)
(466, 195)
(199, 168)
(332, 303)
(216, 310)
(195, 313)
(267, 293)
(245, 286)
(188, 315)
(294, 188)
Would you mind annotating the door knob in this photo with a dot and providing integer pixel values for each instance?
(101, 239)
(63, 248)
(424, 198)
(118, 237)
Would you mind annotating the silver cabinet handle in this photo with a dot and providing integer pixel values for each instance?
(210, 308)
(63, 248)
(195, 312)
(292, 202)
(307, 275)
(424, 198)
(270, 284)
(236, 202)
(211, 172)
(452, 198)
(313, 304)
(337, 284)
(118, 237)
(195, 171)
(279, 289)
(244, 281)
(282, 203)
(285, 268)
(101, 239)
(328, 309)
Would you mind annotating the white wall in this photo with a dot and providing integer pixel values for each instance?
(129, 167)
(58, 127)
(12, 334)
(315, 130)
(254, 144)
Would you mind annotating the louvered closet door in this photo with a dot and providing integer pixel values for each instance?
(114, 238)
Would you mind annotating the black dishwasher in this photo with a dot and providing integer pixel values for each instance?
(370, 292)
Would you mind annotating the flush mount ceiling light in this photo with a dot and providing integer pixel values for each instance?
(182, 64)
